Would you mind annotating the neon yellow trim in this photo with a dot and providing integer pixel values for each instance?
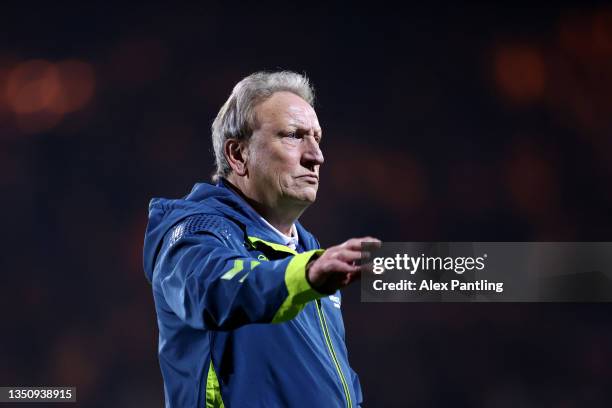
(254, 264)
(213, 390)
(299, 290)
(238, 266)
(330, 347)
(274, 246)
(244, 277)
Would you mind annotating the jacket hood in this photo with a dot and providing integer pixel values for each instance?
(204, 198)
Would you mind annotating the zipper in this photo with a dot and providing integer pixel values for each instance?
(253, 241)
(330, 347)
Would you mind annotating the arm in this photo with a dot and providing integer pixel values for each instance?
(209, 285)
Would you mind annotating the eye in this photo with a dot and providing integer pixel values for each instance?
(293, 135)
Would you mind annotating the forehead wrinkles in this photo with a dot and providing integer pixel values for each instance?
(305, 118)
(282, 110)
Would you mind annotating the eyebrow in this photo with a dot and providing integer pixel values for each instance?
(300, 125)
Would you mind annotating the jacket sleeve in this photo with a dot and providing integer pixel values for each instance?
(210, 285)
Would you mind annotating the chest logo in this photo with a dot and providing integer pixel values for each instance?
(335, 300)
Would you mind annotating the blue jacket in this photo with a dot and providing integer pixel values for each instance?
(239, 324)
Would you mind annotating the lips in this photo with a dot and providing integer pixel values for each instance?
(311, 178)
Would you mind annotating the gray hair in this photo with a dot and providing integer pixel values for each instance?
(236, 118)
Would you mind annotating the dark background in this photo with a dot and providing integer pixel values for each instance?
(441, 123)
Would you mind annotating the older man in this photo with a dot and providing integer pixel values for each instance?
(247, 304)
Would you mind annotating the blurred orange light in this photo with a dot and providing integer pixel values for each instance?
(77, 86)
(40, 92)
(587, 36)
(520, 73)
(32, 86)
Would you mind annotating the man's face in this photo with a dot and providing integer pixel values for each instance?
(283, 153)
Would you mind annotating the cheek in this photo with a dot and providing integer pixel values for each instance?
(277, 162)
(285, 171)
(269, 168)
(285, 161)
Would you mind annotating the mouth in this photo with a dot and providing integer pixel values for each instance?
(310, 178)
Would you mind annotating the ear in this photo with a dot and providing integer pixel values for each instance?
(236, 153)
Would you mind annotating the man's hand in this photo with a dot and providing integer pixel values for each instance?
(337, 267)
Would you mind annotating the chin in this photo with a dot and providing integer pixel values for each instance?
(306, 196)
(310, 194)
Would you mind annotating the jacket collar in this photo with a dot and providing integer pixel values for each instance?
(257, 229)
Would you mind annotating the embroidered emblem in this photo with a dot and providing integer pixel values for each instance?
(177, 233)
(335, 300)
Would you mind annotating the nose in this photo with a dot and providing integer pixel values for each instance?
(312, 155)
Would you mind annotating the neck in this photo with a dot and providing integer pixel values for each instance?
(282, 217)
